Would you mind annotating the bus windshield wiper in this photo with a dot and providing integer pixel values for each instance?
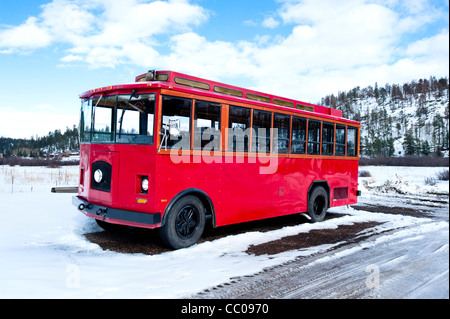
(123, 112)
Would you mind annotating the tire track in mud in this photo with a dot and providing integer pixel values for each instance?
(345, 270)
(287, 279)
(393, 268)
(145, 241)
(339, 270)
(343, 233)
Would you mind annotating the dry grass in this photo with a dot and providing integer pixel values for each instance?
(443, 175)
(52, 163)
(422, 161)
(364, 174)
(18, 178)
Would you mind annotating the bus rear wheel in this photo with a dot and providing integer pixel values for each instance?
(318, 204)
(184, 224)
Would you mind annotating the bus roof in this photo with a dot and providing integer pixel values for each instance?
(190, 84)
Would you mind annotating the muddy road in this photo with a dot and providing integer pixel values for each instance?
(358, 260)
(401, 263)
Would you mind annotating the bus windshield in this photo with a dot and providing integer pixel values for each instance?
(126, 119)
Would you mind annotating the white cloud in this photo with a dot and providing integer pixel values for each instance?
(102, 32)
(250, 23)
(27, 36)
(71, 58)
(436, 46)
(24, 124)
(46, 107)
(66, 19)
(331, 46)
(219, 59)
(270, 22)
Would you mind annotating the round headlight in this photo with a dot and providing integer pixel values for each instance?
(144, 184)
(98, 176)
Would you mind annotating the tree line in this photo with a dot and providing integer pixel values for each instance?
(53, 142)
(414, 115)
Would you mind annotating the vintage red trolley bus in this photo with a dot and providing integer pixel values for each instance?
(174, 152)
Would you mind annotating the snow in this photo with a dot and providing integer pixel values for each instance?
(404, 113)
(43, 253)
(407, 179)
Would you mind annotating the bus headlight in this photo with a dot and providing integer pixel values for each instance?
(144, 184)
(98, 176)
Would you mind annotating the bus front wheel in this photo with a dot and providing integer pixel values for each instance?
(318, 204)
(184, 224)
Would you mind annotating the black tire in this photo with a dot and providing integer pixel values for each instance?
(318, 204)
(184, 224)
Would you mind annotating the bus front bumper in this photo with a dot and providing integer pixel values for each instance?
(117, 216)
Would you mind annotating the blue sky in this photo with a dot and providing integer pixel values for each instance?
(51, 51)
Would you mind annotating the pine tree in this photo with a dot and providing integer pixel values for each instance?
(425, 148)
(409, 144)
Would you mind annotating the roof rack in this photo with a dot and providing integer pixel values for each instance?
(176, 79)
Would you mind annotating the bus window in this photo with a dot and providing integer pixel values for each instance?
(313, 137)
(207, 125)
(238, 130)
(327, 138)
(352, 141)
(177, 112)
(103, 125)
(262, 122)
(135, 118)
(298, 144)
(340, 140)
(85, 121)
(281, 123)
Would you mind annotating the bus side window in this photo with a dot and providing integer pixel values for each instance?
(281, 125)
(314, 137)
(298, 144)
(262, 123)
(177, 111)
(352, 141)
(340, 140)
(207, 125)
(238, 129)
(327, 138)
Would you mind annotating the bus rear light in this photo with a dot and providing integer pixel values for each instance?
(82, 176)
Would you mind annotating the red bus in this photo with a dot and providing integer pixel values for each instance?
(174, 152)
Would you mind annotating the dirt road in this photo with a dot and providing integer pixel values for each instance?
(357, 261)
(403, 263)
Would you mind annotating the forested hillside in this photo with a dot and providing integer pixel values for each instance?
(40, 146)
(399, 120)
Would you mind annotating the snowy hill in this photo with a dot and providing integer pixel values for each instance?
(398, 120)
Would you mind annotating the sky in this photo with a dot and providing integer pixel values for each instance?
(52, 51)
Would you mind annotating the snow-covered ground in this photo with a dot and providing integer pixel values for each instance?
(43, 253)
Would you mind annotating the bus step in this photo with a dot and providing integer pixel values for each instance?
(64, 190)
